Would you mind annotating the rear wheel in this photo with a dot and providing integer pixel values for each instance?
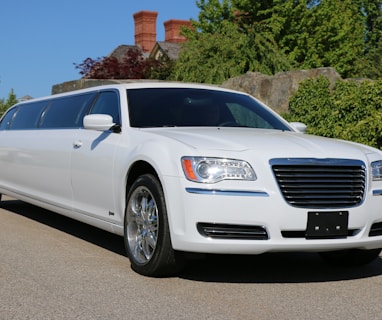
(351, 257)
(147, 234)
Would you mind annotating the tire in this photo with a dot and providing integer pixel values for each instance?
(351, 257)
(146, 231)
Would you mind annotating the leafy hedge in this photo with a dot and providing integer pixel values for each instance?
(352, 110)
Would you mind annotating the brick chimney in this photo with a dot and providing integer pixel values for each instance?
(172, 30)
(145, 29)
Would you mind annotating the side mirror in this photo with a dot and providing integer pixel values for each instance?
(99, 122)
(299, 126)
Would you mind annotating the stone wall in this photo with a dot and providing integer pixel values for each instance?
(275, 91)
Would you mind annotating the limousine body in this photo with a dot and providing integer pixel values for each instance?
(180, 168)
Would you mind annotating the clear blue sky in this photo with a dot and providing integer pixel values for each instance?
(41, 39)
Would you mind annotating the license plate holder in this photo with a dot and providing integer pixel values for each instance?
(327, 225)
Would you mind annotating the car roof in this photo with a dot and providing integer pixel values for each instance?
(136, 84)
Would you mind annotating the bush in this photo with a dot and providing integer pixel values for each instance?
(352, 110)
(132, 64)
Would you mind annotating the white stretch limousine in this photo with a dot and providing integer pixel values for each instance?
(177, 168)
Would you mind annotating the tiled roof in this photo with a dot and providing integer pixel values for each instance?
(121, 50)
(172, 49)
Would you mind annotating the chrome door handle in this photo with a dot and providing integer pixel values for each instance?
(77, 144)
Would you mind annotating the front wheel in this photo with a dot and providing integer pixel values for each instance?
(351, 257)
(147, 234)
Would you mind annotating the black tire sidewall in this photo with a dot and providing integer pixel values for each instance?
(163, 256)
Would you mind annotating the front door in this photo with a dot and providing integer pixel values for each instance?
(93, 164)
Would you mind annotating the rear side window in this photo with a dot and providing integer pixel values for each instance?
(27, 116)
(107, 103)
(67, 112)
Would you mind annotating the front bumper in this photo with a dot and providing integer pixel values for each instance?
(245, 213)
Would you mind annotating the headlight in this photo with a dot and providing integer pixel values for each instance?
(212, 170)
(376, 170)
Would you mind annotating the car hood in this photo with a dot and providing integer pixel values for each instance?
(271, 143)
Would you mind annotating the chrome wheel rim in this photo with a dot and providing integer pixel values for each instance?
(142, 225)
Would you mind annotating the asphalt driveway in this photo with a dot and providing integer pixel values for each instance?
(52, 267)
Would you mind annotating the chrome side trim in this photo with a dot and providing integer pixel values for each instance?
(215, 192)
(377, 192)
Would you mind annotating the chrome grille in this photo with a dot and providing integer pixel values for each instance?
(320, 183)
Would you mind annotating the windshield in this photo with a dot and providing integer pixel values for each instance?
(186, 107)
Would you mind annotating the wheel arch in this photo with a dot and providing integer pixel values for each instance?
(137, 169)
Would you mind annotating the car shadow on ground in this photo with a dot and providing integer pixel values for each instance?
(265, 268)
(75, 228)
(275, 268)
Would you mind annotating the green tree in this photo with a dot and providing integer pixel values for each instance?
(327, 33)
(339, 41)
(160, 69)
(372, 11)
(212, 14)
(280, 35)
(372, 63)
(213, 57)
(232, 37)
(227, 41)
(294, 18)
(10, 101)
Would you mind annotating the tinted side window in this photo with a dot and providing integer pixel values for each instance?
(247, 118)
(27, 116)
(192, 107)
(7, 118)
(67, 112)
(156, 107)
(107, 103)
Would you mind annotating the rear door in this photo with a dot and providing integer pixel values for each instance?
(36, 146)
